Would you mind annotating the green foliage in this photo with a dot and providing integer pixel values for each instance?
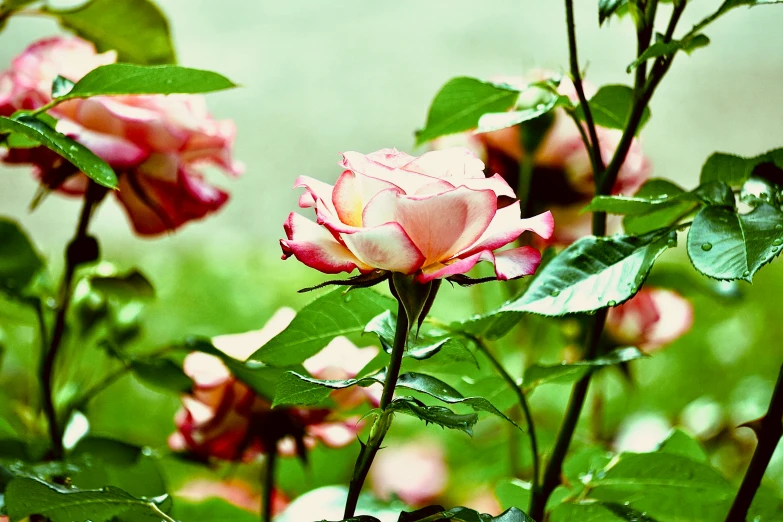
(461, 103)
(81, 157)
(680, 443)
(295, 389)
(162, 373)
(662, 48)
(439, 415)
(592, 273)
(591, 511)
(611, 107)
(735, 170)
(667, 206)
(433, 513)
(332, 314)
(136, 29)
(19, 261)
(726, 245)
(61, 86)
(126, 78)
(125, 287)
(606, 8)
(28, 496)
(500, 120)
(539, 374)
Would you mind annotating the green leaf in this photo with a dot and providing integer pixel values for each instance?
(126, 287)
(61, 86)
(680, 443)
(81, 157)
(611, 107)
(591, 511)
(735, 170)
(260, 378)
(431, 514)
(493, 121)
(669, 212)
(460, 104)
(670, 48)
(295, 389)
(27, 496)
(539, 374)
(136, 29)
(606, 8)
(126, 78)
(514, 492)
(443, 417)
(580, 466)
(726, 245)
(162, 373)
(212, 510)
(592, 273)
(19, 261)
(332, 314)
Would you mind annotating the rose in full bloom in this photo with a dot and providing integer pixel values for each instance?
(415, 472)
(652, 319)
(563, 176)
(157, 145)
(223, 418)
(435, 216)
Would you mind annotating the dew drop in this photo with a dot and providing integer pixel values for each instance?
(778, 227)
(672, 243)
(347, 298)
(555, 293)
(746, 273)
(706, 247)
(612, 303)
(778, 242)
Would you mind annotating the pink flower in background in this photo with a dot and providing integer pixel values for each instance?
(156, 144)
(563, 175)
(652, 319)
(415, 472)
(224, 419)
(233, 491)
(436, 215)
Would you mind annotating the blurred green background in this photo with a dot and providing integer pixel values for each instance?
(323, 77)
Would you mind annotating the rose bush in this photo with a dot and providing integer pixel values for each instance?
(223, 418)
(436, 215)
(156, 144)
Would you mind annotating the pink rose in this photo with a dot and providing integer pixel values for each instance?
(223, 418)
(415, 472)
(233, 491)
(436, 215)
(652, 319)
(156, 144)
(563, 175)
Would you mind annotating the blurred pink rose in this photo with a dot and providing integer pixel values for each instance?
(652, 319)
(436, 215)
(156, 144)
(415, 472)
(563, 175)
(224, 419)
(233, 491)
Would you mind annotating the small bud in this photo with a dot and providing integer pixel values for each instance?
(83, 250)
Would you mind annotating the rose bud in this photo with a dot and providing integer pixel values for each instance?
(435, 216)
(223, 418)
(156, 144)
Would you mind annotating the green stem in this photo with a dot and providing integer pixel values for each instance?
(522, 403)
(269, 484)
(594, 149)
(50, 357)
(769, 434)
(383, 421)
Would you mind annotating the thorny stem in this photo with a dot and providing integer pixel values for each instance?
(770, 431)
(383, 421)
(604, 180)
(269, 484)
(482, 346)
(49, 358)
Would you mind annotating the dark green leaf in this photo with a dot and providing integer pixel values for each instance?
(126, 78)
(591, 511)
(19, 261)
(611, 107)
(133, 285)
(680, 443)
(606, 8)
(332, 314)
(592, 273)
(460, 104)
(490, 326)
(726, 245)
(669, 48)
(514, 492)
(659, 215)
(295, 389)
(136, 29)
(580, 466)
(500, 120)
(27, 496)
(161, 373)
(735, 170)
(464, 515)
(81, 157)
(443, 417)
(538, 374)
(61, 86)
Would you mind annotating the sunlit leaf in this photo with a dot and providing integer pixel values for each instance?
(669, 48)
(611, 107)
(539, 374)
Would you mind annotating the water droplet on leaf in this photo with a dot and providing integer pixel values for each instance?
(778, 242)
(706, 247)
(555, 293)
(612, 303)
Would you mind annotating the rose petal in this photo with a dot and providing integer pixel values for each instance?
(440, 225)
(456, 162)
(509, 264)
(387, 247)
(315, 247)
(352, 192)
(506, 226)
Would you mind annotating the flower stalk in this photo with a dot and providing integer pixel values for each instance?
(269, 484)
